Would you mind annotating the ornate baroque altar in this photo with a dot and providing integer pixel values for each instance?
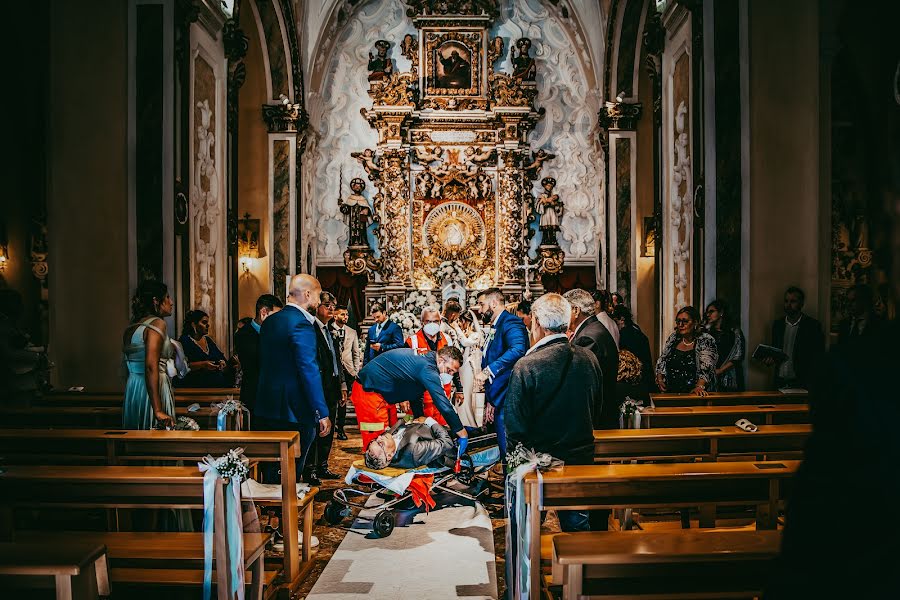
(452, 171)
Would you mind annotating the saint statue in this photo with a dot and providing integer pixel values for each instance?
(380, 66)
(360, 215)
(457, 71)
(550, 208)
(523, 65)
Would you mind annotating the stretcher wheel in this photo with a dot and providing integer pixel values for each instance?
(384, 523)
(335, 512)
(466, 470)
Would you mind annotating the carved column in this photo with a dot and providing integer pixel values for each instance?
(286, 121)
(236, 46)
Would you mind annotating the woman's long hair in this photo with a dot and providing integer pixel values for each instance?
(190, 319)
(724, 314)
(142, 303)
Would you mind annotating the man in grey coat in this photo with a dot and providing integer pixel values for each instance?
(410, 445)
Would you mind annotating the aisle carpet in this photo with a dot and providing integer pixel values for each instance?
(446, 554)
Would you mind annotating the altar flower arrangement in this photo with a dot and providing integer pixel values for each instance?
(407, 321)
(417, 300)
(451, 271)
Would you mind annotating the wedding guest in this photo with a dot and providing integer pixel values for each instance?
(470, 336)
(149, 400)
(384, 335)
(452, 310)
(523, 311)
(602, 307)
(328, 360)
(729, 343)
(207, 363)
(689, 357)
(246, 346)
(23, 366)
(351, 363)
(861, 321)
(634, 340)
(629, 380)
(800, 337)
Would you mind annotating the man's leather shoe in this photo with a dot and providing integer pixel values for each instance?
(341, 435)
(311, 479)
(327, 474)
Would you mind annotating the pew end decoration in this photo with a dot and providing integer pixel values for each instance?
(223, 521)
(184, 423)
(630, 413)
(230, 406)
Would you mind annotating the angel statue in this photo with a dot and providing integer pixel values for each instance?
(523, 65)
(380, 66)
(537, 161)
(356, 207)
(367, 159)
(550, 208)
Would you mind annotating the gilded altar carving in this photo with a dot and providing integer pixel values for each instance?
(392, 208)
(443, 8)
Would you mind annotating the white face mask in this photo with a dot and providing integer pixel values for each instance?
(446, 378)
(432, 329)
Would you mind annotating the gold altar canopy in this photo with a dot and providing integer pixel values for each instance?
(453, 169)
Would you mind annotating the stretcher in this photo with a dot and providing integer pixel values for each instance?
(469, 468)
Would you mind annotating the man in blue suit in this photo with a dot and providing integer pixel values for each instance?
(290, 395)
(384, 335)
(507, 344)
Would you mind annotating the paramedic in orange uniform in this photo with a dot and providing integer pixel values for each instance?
(430, 339)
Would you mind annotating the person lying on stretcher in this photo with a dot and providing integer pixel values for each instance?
(421, 442)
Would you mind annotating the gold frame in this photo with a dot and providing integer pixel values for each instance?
(473, 41)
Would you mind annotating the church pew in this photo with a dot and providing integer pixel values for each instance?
(703, 443)
(55, 487)
(114, 447)
(78, 570)
(62, 393)
(702, 416)
(91, 417)
(180, 400)
(688, 564)
(727, 398)
(679, 485)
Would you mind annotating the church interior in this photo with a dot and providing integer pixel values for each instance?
(711, 185)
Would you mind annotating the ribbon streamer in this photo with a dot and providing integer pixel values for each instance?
(228, 534)
(223, 409)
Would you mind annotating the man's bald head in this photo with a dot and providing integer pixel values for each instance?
(305, 290)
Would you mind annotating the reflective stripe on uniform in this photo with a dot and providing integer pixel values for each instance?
(372, 426)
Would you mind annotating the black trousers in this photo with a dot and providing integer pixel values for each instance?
(341, 418)
(322, 446)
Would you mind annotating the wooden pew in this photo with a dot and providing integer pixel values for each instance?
(703, 443)
(678, 485)
(727, 398)
(689, 564)
(178, 392)
(180, 400)
(41, 486)
(88, 416)
(78, 570)
(701, 416)
(114, 447)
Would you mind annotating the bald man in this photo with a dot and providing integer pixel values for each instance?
(290, 395)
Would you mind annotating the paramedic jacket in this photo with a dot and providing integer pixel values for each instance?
(401, 375)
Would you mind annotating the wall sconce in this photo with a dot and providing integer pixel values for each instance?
(4, 256)
(648, 247)
(248, 242)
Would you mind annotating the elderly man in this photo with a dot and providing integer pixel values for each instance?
(290, 395)
(506, 344)
(552, 391)
(421, 442)
(590, 333)
(401, 375)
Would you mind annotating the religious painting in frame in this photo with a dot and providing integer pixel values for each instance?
(453, 63)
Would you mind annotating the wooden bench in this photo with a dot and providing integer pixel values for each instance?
(40, 486)
(728, 398)
(703, 443)
(88, 416)
(701, 416)
(100, 400)
(678, 485)
(689, 564)
(178, 392)
(113, 447)
(78, 570)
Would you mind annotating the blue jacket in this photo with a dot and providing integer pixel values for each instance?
(391, 338)
(402, 375)
(509, 344)
(290, 385)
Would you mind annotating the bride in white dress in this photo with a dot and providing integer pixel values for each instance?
(471, 338)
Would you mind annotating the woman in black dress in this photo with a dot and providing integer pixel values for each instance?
(730, 343)
(206, 361)
(689, 357)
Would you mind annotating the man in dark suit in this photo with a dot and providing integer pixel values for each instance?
(590, 333)
(800, 337)
(861, 321)
(289, 396)
(410, 445)
(507, 343)
(246, 346)
(384, 335)
(328, 359)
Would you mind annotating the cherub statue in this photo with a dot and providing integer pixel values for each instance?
(495, 50)
(484, 184)
(426, 155)
(523, 65)
(550, 208)
(409, 47)
(356, 207)
(537, 160)
(425, 183)
(473, 155)
(380, 66)
(367, 159)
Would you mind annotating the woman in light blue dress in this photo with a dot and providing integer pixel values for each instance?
(149, 400)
